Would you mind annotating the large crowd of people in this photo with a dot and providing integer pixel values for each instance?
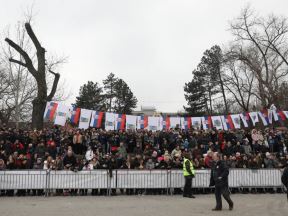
(59, 148)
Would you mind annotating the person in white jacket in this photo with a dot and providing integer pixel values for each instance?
(89, 154)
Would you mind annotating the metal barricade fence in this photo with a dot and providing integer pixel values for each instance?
(28, 179)
(131, 179)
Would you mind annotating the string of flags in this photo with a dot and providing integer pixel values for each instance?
(59, 114)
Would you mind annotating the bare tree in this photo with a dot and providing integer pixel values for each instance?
(38, 71)
(239, 80)
(260, 43)
(16, 101)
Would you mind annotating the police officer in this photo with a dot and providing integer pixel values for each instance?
(219, 179)
(189, 174)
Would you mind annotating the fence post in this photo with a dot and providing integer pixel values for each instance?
(116, 179)
(168, 187)
(108, 177)
(47, 189)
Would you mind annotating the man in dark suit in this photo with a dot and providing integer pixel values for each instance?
(219, 179)
(284, 179)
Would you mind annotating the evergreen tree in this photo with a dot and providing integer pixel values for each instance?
(91, 97)
(125, 101)
(196, 94)
(211, 65)
(207, 79)
(110, 92)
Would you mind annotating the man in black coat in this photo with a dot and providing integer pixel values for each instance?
(219, 179)
(284, 179)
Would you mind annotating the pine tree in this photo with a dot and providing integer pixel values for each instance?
(211, 65)
(125, 101)
(91, 97)
(196, 94)
(109, 87)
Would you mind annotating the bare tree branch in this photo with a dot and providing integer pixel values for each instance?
(17, 62)
(26, 57)
(54, 87)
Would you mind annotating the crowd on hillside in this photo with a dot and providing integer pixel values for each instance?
(73, 149)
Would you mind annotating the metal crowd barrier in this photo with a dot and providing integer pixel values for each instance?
(131, 179)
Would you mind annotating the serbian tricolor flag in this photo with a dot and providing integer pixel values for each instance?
(50, 111)
(227, 122)
(281, 115)
(166, 122)
(186, 123)
(264, 117)
(75, 115)
(206, 122)
(275, 114)
(120, 121)
(96, 119)
(285, 113)
(245, 119)
(142, 122)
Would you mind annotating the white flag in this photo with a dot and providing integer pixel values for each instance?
(254, 117)
(154, 123)
(270, 116)
(244, 120)
(85, 117)
(275, 115)
(224, 122)
(109, 121)
(175, 122)
(216, 122)
(61, 115)
(265, 123)
(131, 122)
(236, 121)
(196, 122)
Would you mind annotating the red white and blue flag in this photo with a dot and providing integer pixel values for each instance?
(245, 119)
(186, 123)
(50, 111)
(264, 117)
(275, 115)
(227, 122)
(96, 120)
(285, 113)
(281, 115)
(166, 123)
(142, 122)
(75, 115)
(120, 121)
(206, 122)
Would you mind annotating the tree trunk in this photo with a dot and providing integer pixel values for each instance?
(210, 101)
(39, 103)
(37, 113)
(222, 90)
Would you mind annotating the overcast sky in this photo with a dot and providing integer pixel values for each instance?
(152, 44)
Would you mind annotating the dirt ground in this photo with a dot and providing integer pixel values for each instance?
(272, 204)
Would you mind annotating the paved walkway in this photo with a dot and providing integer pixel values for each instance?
(142, 206)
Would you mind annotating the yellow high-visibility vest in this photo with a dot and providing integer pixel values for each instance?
(185, 172)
